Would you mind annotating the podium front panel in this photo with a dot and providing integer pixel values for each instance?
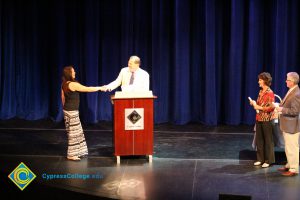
(133, 142)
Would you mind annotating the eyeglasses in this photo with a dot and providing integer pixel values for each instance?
(289, 80)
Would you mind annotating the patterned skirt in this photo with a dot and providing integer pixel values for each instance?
(76, 140)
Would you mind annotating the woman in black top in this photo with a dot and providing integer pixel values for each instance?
(70, 100)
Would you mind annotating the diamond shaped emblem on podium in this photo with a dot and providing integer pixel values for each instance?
(134, 117)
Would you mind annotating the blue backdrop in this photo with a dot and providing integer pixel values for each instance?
(203, 56)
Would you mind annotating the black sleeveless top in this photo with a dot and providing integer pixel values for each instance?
(71, 100)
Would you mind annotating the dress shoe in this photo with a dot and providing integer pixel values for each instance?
(257, 163)
(289, 173)
(283, 169)
(265, 165)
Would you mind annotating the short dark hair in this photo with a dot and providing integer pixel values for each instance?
(266, 77)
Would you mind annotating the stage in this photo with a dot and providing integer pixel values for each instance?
(189, 162)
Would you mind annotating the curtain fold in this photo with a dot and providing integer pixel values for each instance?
(203, 56)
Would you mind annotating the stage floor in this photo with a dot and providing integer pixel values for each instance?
(189, 162)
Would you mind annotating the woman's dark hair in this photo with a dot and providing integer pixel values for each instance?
(67, 74)
(266, 77)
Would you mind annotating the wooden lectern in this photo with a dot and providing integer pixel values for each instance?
(133, 126)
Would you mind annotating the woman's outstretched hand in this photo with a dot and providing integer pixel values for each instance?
(103, 88)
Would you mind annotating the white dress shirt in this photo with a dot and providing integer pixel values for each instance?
(140, 83)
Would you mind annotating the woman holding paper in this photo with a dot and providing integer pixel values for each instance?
(264, 110)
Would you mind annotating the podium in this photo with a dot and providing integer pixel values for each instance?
(133, 125)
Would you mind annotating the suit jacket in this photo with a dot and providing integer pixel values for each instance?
(289, 119)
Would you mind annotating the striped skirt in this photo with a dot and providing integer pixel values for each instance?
(76, 140)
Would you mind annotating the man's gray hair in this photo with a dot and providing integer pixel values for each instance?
(136, 59)
(294, 76)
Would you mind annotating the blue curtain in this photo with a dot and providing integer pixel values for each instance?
(203, 56)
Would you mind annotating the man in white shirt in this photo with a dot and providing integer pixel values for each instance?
(131, 78)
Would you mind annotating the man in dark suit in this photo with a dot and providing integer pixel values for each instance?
(290, 124)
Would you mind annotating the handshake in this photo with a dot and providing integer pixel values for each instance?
(104, 88)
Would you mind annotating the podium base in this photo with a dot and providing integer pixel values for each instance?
(150, 158)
